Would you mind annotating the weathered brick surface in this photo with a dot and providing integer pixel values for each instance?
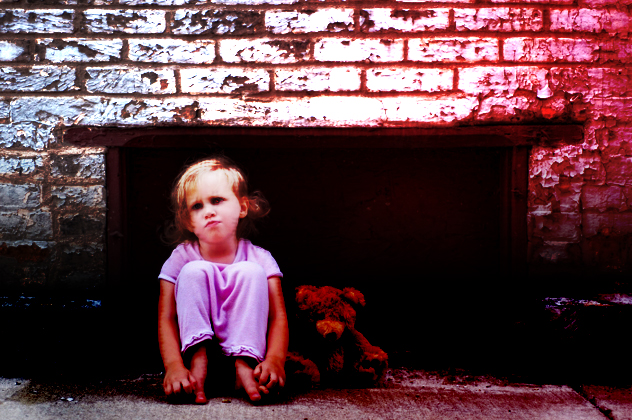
(82, 166)
(218, 22)
(79, 50)
(288, 63)
(171, 51)
(37, 78)
(483, 80)
(126, 21)
(369, 50)
(458, 50)
(295, 22)
(78, 196)
(14, 51)
(409, 80)
(93, 110)
(20, 166)
(163, 2)
(21, 196)
(503, 19)
(34, 225)
(22, 136)
(404, 20)
(130, 80)
(264, 51)
(590, 20)
(214, 80)
(551, 50)
(36, 21)
(318, 79)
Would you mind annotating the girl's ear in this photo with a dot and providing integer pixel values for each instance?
(244, 203)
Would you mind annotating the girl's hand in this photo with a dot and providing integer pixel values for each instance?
(270, 374)
(177, 379)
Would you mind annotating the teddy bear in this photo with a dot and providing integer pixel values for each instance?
(327, 349)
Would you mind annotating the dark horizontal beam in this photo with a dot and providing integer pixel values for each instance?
(472, 136)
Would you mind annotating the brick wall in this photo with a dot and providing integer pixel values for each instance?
(295, 63)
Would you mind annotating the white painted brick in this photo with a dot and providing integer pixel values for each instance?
(551, 50)
(21, 225)
(437, 1)
(126, 21)
(37, 78)
(264, 50)
(23, 135)
(336, 111)
(217, 22)
(130, 80)
(501, 80)
(458, 50)
(253, 2)
(317, 79)
(163, 2)
(318, 111)
(171, 51)
(85, 166)
(404, 20)
(213, 80)
(428, 110)
(36, 21)
(502, 19)
(556, 2)
(79, 50)
(623, 50)
(20, 196)
(95, 110)
(322, 20)
(602, 3)
(501, 108)
(592, 82)
(409, 80)
(590, 20)
(20, 165)
(5, 108)
(369, 50)
(92, 196)
(13, 51)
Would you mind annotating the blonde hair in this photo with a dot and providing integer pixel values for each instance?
(257, 205)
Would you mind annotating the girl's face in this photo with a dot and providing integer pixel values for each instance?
(214, 210)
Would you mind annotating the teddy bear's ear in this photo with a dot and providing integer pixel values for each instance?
(353, 296)
(303, 292)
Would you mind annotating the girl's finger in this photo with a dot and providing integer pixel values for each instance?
(257, 372)
(281, 381)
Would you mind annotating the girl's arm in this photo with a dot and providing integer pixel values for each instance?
(177, 376)
(271, 373)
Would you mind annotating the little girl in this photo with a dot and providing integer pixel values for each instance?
(218, 286)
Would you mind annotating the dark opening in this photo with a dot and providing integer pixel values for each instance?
(430, 228)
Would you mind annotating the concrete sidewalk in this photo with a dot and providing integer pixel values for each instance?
(406, 394)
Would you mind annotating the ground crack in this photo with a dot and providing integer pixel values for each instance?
(605, 411)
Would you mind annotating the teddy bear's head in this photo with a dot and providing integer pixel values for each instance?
(330, 309)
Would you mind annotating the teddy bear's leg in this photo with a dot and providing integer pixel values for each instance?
(301, 372)
(372, 362)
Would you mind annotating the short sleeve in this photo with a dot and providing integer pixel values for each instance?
(183, 254)
(263, 258)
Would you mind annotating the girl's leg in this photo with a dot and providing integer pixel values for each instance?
(193, 305)
(241, 320)
(245, 379)
(199, 369)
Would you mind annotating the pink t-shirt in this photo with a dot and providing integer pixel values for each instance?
(190, 251)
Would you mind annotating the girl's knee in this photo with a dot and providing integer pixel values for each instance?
(193, 271)
(249, 270)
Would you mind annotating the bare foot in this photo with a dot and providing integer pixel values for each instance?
(199, 367)
(246, 379)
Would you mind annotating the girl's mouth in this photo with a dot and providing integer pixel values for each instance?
(212, 223)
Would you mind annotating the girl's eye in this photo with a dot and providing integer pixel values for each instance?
(216, 200)
(196, 206)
